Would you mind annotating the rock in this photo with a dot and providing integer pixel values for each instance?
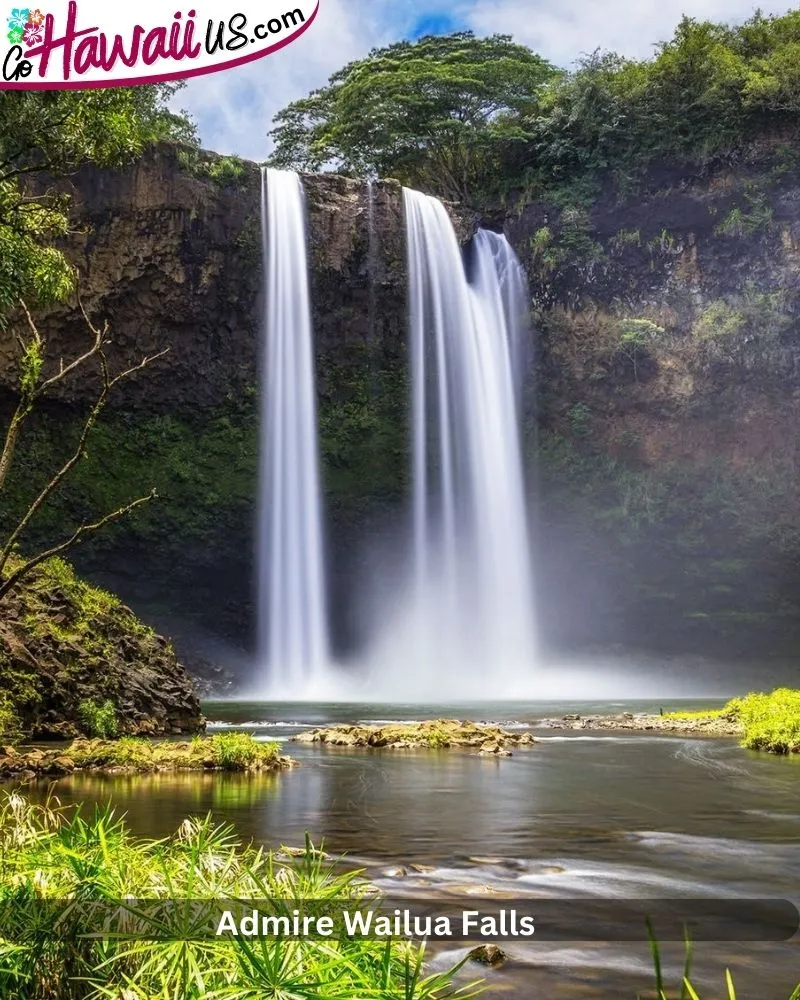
(488, 954)
(437, 734)
(84, 645)
(9, 753)
(60, 765)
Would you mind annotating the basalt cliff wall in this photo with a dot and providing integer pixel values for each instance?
(667, 397)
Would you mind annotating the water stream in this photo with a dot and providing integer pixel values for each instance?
(469, 615)
(292, 625)
(587, 815)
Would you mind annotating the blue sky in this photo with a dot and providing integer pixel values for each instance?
(234, 108)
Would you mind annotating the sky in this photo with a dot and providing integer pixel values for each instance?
(234, 108)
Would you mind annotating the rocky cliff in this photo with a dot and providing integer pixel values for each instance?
(668, 386)
(65, 645)
(669, 396)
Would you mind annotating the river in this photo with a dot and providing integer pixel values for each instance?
(578, 815)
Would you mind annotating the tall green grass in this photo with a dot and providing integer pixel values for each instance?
(687, 990)
(50, 854)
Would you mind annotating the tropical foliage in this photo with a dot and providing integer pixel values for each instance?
(471, 118)
(438, 113)
(47, 134)
(50, 858)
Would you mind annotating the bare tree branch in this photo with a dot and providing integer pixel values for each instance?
(28, 397)
(75, 539)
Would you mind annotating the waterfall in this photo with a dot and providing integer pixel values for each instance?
(472, 596)
(292, 617)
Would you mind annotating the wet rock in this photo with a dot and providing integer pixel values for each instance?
(438, 734)
(488, 954)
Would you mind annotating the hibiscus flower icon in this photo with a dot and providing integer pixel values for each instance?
(33, 33)
(36, 17)
(18, 19)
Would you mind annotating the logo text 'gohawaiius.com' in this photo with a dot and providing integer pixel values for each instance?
(92, 44)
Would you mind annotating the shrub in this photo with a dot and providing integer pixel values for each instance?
(98, 719)
(771, 721)
(10, 727)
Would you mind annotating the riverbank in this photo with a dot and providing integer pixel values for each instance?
(686, 724)
(221, 752)
(762, 721)
(435, 734)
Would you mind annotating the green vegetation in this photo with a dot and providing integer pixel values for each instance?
(51, 855)
(88, 604)
(226, 171)
(474, 118)
(687, 990)
(709, 713)
(51, 133)
(10, 729)
(226, 751)
(771, 721)
(98, 719)
(440, 113)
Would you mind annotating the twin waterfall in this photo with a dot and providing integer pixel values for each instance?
(472, 601)
(464, 616)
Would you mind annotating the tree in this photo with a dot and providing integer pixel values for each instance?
(33, 385)
(45, 135)
(437, 114)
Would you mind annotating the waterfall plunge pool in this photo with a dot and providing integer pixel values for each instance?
(577, 815)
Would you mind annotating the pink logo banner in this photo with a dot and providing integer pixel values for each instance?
(90, 43)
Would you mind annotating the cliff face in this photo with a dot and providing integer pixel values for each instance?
(170, 256)
(668, 391)
(669, 403)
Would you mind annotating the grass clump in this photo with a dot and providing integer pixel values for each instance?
(223, 751)
(688, 991)
(238, 751)
(770, 721)
(55, 856)
(98, 719)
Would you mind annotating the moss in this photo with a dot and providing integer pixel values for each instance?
(87, 604)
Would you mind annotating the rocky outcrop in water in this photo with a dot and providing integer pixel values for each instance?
(438, 734)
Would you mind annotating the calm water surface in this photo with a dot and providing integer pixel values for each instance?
(577, 814)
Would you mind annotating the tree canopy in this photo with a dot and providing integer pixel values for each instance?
(470, 117)
(52, 133)
(434, 113)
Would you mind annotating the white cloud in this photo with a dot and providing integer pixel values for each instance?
(564, 30)
(234, 108)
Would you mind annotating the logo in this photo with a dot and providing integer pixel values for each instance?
(92, 43)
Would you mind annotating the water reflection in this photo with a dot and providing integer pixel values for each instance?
(639, 815)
